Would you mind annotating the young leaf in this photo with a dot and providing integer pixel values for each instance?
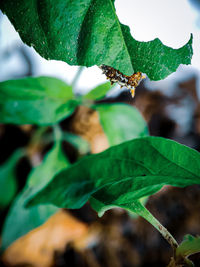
(41, 101)
(8, 184)
(20, 220)
(121, 122)
(98, 92)
(89, 33)
(123, 174)
(189, 246)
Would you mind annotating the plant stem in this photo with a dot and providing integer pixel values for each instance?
(76, 77)
(57, 132)
(138, 208)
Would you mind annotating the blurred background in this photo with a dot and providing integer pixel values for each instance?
(171, 108)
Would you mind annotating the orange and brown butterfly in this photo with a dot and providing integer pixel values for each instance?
(115, 76)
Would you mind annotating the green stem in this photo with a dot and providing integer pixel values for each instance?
(36, 137)
(57, 132)
(138, 208)
(76, 77)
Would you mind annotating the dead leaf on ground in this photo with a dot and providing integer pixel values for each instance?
(37, 248)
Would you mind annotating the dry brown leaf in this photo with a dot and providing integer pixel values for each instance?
(37, 248)
(85, 123)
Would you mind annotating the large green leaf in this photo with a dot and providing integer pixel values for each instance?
(121, 122)
(123, 174)
(88, 32)
(20, 220)
(41, 101)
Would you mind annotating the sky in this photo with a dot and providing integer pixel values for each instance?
(172, 21)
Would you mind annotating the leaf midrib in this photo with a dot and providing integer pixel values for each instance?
(142, 188)
(120, 30)
(174, 162)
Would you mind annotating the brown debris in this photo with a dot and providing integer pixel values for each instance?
(85, 123)
(37, 248)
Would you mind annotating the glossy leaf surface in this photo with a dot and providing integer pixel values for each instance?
(123, 174)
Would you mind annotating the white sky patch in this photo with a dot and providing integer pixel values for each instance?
(171, 21)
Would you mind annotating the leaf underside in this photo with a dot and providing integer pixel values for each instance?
(88, 33)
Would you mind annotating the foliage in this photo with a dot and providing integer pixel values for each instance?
(8, 183)
(123, 174)
(121, 122)
(189, 246)
(20, 220)
(117, 177)
(31, 94)
(94, 37)
(98, 92)
(50, 100)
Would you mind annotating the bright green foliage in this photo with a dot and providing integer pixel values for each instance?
(88, 33)
(8, 184)
(41, 101)
(189, 246)
(121, 122)
(20, 220)
(123, 174)
(98, 92)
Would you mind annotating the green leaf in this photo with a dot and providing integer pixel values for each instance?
(98, 92)
(78, 142)
(41, 101)
(21, 220)
(189, 246)
(123, 174)
(8, 183)
(89, 33)
(121, 122)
